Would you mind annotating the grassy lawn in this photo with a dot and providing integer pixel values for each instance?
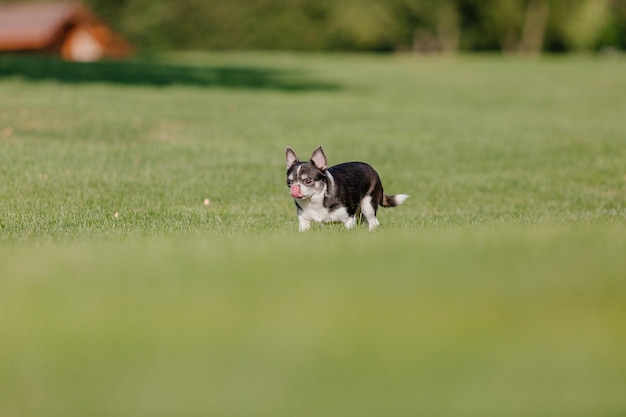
(497, 289)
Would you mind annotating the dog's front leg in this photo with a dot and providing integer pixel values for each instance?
(303, 224)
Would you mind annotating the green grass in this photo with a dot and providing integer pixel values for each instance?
(496, 290)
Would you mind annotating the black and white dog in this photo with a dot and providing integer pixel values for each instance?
(335, 194)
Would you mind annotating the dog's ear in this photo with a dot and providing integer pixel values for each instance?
(290, 156)
(319, 159)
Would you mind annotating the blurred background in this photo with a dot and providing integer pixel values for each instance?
(426, 26)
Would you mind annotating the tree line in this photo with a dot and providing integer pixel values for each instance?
(443, 26)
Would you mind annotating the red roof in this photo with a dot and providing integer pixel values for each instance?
(45, 26)
(33, 25)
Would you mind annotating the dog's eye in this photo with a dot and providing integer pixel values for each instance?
(289, 182)
(307, 181)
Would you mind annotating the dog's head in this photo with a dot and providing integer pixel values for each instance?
(306, 179)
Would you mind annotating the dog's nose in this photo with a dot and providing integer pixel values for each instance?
(295, 191)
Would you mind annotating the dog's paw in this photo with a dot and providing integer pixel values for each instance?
(303, 225)
(350, 223)
(372, 223)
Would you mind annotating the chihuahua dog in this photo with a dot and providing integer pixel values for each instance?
(336, 194)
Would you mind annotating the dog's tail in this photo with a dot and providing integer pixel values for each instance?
(393, 200)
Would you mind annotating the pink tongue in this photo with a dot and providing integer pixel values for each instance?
(295, 191)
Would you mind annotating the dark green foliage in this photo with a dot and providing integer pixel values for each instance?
(423, 25)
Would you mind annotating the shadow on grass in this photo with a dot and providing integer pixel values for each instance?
(147, 72)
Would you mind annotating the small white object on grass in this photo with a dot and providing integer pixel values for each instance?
(206, 202)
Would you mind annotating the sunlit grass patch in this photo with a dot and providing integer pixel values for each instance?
(495, 290)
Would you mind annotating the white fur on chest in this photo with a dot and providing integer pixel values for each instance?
(321, 214)
(314, 210)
